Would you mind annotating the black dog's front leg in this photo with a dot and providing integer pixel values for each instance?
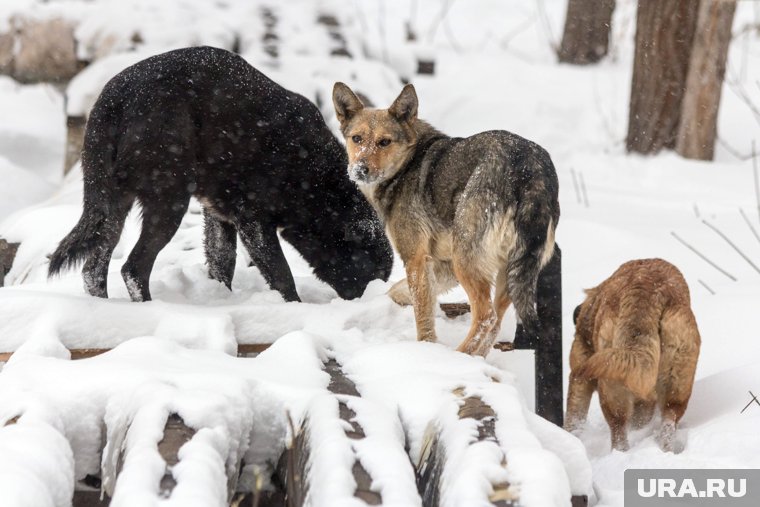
(263, 246)
(220, 244)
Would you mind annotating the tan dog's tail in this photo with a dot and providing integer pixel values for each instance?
(636, 367)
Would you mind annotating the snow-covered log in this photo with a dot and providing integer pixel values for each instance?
(135, 468)
(349, 448)
(74, 140)
(35, 50)
(7, 254)
(435, 454)
(36, 465)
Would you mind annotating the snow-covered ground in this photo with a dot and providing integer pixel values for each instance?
(494, 69)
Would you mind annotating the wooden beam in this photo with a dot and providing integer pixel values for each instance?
(90, 499)
(243, 349)
(453, 310)
(176, 434)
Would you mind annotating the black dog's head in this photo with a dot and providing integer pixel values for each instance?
(346, 255)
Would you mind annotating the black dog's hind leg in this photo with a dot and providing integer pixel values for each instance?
(159, 223)
(220, 242)
(263, 246)
(95, 271)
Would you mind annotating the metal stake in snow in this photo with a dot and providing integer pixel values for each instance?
(547, 346)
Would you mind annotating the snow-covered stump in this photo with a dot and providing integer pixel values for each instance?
(270, 40)
(74, 140)
(348, 450)
(339, 45)
(133, 462)
(39, 50)
(7, 255)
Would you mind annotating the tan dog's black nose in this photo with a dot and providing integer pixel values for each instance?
(358, 171)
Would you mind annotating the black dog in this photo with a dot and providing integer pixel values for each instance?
(202, 122)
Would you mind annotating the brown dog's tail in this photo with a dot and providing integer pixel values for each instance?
(636, 367)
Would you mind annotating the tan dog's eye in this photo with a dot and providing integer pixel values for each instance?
(384, 142)
(357, 139)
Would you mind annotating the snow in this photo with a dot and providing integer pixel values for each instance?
(36, 466)
(494, 68)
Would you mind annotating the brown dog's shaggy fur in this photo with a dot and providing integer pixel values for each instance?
(637, 343)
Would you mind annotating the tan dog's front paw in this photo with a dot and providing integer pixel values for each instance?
(400, 294)
(427, 337)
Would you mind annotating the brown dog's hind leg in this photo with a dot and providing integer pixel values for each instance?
(419, 278)
(480, 338)
(643, 411)
(681, 343)
(671, 414)
(617, 405)
(580, 389)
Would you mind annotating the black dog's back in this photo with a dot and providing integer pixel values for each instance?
(203, 122)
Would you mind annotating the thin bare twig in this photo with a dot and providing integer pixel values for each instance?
(731, 243)
(740, 92)
(381, 28)
(438, 20)
(706, 287)
(749, 224)
(753, 400)
(757, 178)
(507, 39)
(733, 151)
(583, 189)
(702, 256)
(696, 210)
(546, 25)
(575, 186)
(450, 34)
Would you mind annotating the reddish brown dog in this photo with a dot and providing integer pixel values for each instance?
(636, 343)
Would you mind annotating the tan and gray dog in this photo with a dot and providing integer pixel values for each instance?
(636, 343)
(479, 210)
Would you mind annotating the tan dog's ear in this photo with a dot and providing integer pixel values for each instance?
(404, 108)
(346, 103)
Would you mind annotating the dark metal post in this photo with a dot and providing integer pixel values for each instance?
(548, 346)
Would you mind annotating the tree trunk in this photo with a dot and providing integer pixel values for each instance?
(664, 35)
(699, 116)
(587, 31)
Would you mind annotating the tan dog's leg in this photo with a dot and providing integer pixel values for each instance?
(478, 287)
(400, 293)
(501, 297)
(580, 389)
(444, 280)
(419, 277)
